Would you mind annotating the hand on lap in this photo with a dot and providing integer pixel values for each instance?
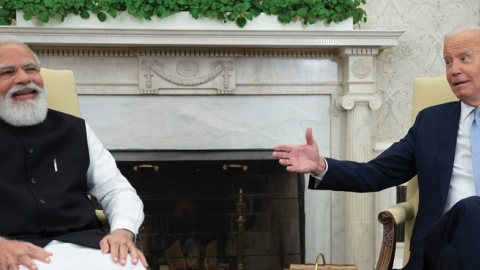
(15, 253)
(119, 243)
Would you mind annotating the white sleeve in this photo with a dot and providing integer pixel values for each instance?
(318, 178)
(121, 204)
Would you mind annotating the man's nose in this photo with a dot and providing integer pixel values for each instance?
(456, 68)
(21, 77)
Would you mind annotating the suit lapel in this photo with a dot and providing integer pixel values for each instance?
(448, 130)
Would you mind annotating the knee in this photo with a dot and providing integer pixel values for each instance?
(469, 201)
(468, 204)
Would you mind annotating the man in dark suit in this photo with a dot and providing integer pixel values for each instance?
(442, 148)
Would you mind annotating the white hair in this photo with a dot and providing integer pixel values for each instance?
(6, 39)
(460, 30)
(24, 112)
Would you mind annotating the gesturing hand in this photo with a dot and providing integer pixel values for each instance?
(15, 253)
(301, 158)
(119, 243)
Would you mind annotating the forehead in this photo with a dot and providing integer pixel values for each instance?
(15, 54)
(463, 42)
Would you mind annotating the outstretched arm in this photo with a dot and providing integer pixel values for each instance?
(301, 158)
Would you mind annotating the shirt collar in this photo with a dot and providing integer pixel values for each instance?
(465, 111)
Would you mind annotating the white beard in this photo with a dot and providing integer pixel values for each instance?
(28, 112)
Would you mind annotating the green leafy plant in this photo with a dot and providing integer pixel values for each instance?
(309, 11)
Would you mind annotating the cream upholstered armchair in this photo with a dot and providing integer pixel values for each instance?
(62, 96)
(426, 92)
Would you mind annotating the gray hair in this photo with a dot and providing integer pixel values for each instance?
(460, 30)
(5, 39)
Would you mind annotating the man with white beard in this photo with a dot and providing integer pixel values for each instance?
(49, 162)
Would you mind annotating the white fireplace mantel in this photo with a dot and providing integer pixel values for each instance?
(240, 38)
(139, 89)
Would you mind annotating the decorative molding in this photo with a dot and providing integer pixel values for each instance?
(347, 101)
(361, 68)
(358, 51)
(130, 37)
(86, 51)
(193, 52)
(188, 74)
(187, 68)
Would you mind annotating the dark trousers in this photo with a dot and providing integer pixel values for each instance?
(453, 242)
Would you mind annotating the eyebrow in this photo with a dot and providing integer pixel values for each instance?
(29, 62)
(6, 66)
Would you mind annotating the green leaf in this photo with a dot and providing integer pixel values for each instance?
(62, 18)
(27, 16)
(311, 20)
(105, 8)
(102, 16)
(84, 14)
(249, 16)
(48, 3)
(284, 18)
(194, 13)
(43, 17)
(255, 12)
(240, 21)
(3, 21)
(302, 12)
(51, 13)
(112, 13)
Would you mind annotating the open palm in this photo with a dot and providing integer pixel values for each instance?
(301, 158)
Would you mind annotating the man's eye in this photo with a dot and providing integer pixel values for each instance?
(6, 72)
(464, 58)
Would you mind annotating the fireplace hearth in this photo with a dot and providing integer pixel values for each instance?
(191, 215)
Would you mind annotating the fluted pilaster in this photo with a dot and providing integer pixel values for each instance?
(358, 98)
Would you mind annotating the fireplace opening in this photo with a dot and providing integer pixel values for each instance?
(191, 213)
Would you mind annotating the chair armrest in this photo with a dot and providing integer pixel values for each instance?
(103, 219)
(390, 218)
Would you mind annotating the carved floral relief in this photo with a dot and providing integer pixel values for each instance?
(157, 73)
(418, 54)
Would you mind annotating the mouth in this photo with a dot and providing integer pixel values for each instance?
(459, 83)
(25, 94)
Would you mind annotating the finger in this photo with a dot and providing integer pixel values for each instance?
(309, 136)
(280, 155)
(142, 258)
(27, 261)
(104, 246)
(12, 266)
(291, 169)
(282, 147)
(134, 253)
(285, 162)
(114, 251)
(38, 253)
(123, 254)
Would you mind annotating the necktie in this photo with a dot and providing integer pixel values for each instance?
(475, 148)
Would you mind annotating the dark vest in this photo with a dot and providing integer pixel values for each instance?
(41, 201)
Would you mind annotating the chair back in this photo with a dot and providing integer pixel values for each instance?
(427, 92)
(61, 91)
(62, 96)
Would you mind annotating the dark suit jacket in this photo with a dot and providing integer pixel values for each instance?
(427, 150)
